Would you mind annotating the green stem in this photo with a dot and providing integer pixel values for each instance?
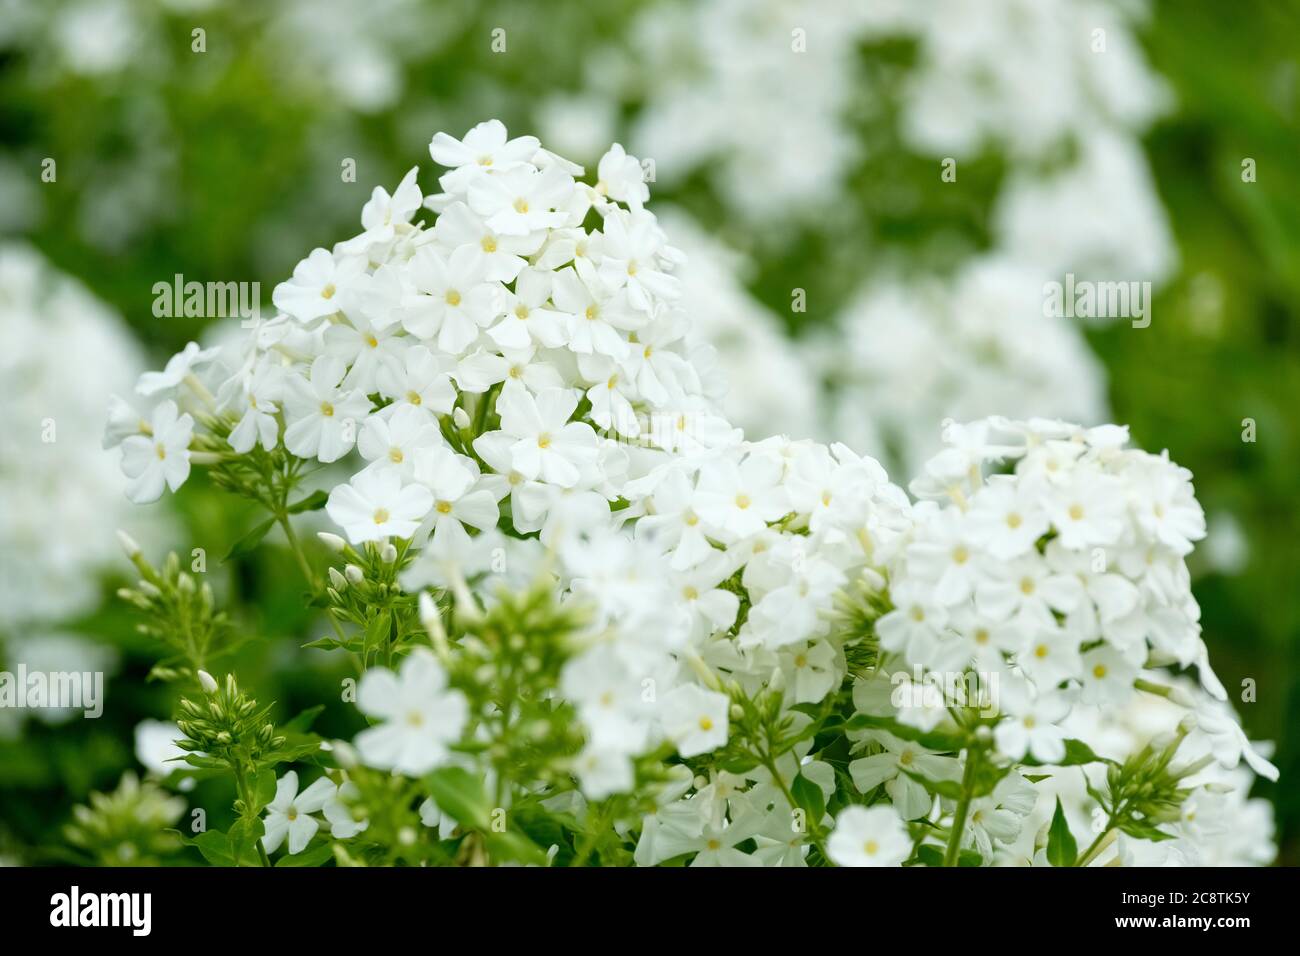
(814, 826)
(241, 785)
(1099, 845)
(296, 546)
(953, 850)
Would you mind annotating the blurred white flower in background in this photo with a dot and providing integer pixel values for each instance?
(65, 354)
(907, 355)
(63, 497)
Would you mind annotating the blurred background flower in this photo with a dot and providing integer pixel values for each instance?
(873, 198)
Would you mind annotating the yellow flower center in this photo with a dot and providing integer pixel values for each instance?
(381, 515)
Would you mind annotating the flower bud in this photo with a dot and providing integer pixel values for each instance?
(388, 553)
(207, 682)
(128, 544)
(345, 754)
(332, 541)
(460, 418)
(354, 574)
(339, 581)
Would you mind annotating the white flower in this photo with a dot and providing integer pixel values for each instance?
(290, 813)
(318, 283)
(695, 719)
(178, 367)
(161, 458)
(421, 382)
(452, 479)
(390, 443)
(869, 836)
(740, 499)
(521, 200)
(339, 811)
(322, 416)
(619, 176)
(546, 444)
(499, 258)
(1032, 726)
(596, 315)
(383, 213)
(485, 148)
(376, 505)
(255, 398)
(420, 716)
(452, 299)
(892, 768)
(527, 317)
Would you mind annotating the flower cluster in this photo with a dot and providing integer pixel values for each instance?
(578, 594)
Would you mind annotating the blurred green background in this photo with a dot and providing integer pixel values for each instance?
(225, 165)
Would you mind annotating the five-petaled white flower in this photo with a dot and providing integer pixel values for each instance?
(419, 716)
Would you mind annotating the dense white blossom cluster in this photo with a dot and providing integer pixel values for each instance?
(515, 391)
(767, 101)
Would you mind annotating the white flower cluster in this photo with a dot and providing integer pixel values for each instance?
(518, 379)
(960, 348)
(65, 353)
(1059, 89)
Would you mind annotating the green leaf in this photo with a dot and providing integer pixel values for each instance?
(302, 723)
(514, 846)
(1144, 831)
(213, 844)
(312, 856)
(931, 855)
(944, 788)
(250, 541)
(1077, 753)
(932, 740)
(738, 763)
(460, 795)
(264, 789)
(313, 502)
(810, 798)
(1061, 848)
(244, 834)
(376, 633)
